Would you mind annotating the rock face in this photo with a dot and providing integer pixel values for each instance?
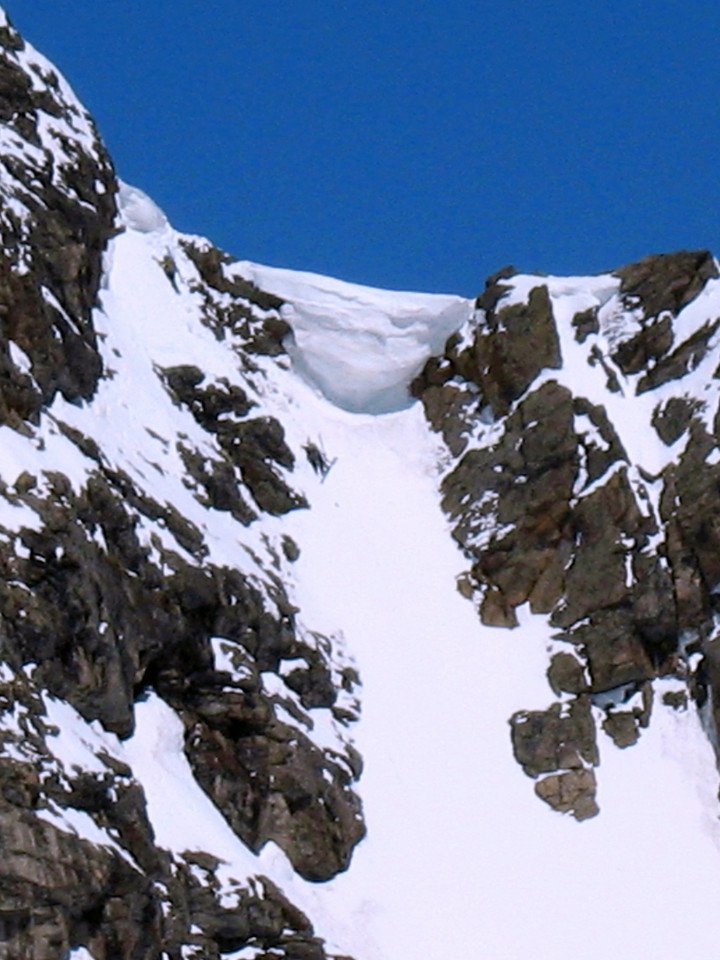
(58, 198)
(566, 496)
(114, 589)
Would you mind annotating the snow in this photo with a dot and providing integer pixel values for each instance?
(459, 850)
(145, 326)
(138, 211)
(458, 846)
(75, 742)
(360, 346)
(155, 753)
(82, 825)
(185, 819)
(19, 357)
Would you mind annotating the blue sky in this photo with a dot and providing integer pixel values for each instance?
(412, 144)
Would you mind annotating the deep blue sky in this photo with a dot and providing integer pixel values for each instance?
(416, 144)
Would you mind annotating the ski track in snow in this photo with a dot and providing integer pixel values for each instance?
(461, 859)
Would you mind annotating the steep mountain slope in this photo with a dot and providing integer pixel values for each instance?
(253, 703)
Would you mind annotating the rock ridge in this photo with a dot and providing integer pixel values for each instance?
(553, 503)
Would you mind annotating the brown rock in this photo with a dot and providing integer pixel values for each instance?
(561, 737)
(495, 611)
(672, 418)
(682, 360)
(622, 728)
(615, 653)
(585, 324)
(566, 674)
(570, 792)
(666, 282)
(519, 342)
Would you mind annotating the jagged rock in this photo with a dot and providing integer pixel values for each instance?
(650, 344)
(519, 341)
(496, 610)
(208, 404)
(689, 499)
(59, 891)
(494, 290)
(677, 699)
(585, 323)
(673, 417)
(538, 448)
(220, 483)
(507, 352)
(230, 299)
(211, 264)
(556, 738)
(273, 784)
(254, 447)
(682, 360)
(603, 522)
(159, 625)
(519, 504)
(561, 738)
(622, 728)
(62, 179)
(570, 792)
(654, 612)
(601, 450)
(566, 674)
(447, 407)
(314, 685)
(290, 549)
(666, 282)
(615, 652)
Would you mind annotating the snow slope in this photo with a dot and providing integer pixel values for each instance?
(461, 859)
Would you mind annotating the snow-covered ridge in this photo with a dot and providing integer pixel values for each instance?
(360, 346)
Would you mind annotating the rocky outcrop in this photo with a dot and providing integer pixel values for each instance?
(104, 619)
(229, 300)
(116, 588)
(559, 739)
(58, 195)
(666, 282)
(554, 506)
(118, 895)
(250, 447)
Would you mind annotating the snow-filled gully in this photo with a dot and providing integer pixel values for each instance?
(461, 859)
